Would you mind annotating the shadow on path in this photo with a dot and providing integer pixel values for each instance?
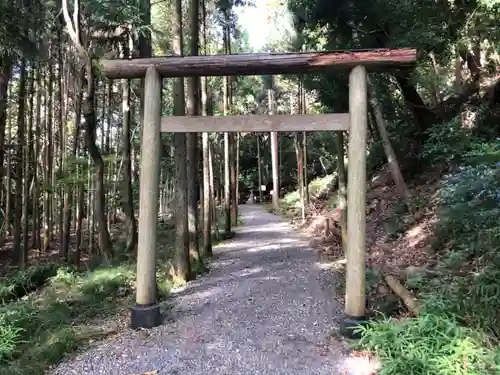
(264, 308)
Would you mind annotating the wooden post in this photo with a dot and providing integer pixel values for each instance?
(356, 203)
(146, 311)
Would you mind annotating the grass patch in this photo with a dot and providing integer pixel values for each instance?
(24, 281)
(41, 329)
(73, 309)
(431, 345)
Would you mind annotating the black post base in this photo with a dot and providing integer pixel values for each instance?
(349, 324)
(145, 316)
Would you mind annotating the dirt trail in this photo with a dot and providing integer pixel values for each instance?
(266, 307)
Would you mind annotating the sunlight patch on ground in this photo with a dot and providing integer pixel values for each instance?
(360, 365)
(335, 265)
(270, 278)
(257, 249)
(226, 262)
(228, 245)
(271, 227)
(204, 294)
(272, 246)
(247, 272)
(280, 241)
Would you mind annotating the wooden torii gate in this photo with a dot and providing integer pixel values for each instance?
(146, 312)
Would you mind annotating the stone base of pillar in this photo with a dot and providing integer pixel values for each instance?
(145, 316)
(349, 324)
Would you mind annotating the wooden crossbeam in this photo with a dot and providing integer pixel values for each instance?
(255, 123)
(261, 63)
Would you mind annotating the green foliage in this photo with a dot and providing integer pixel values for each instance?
(470, 230)
(73, 307)
(40, 330)
(290, 198)
(473, 300)
(458, 331)
(470, 202)
(430, 345)
(24, 281)
(322, 185)
(317, 187)
(447, 142)
(10, 337)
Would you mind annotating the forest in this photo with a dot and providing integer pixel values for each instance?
(70, 155)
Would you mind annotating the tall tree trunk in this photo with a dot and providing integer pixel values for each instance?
(274, 154)
(27, 168)
(227, 183)
(342, 191)
(207, 182)
(212, 190)
(299, 154)
(232, 136)
(105, 245)
(207, 207)
(49, 157)
(237, 170)
(68, 198)
(20, 255)
(193, 107)
(61, 139)
(181, 270)
(306, 179)
(397, 176)
(299, 150)
(36, 244)
(5, 75)
(127, 194)
(227, 137)
(8, 177)
(303, 110)
(259, 167)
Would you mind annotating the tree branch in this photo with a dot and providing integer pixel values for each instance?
(73, 33)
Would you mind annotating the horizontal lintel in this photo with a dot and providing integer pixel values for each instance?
(255, 123)
(261, 63)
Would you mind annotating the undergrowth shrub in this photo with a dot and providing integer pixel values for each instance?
(458, 331)
(469, 203)
(469, 231)
(25, 281)
(10, 337)
(430, 345)
(447, 142)
(72, 308)
(41, 329)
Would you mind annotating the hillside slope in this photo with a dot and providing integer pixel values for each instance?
(443, 246)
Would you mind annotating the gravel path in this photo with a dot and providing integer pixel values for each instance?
(265, 308)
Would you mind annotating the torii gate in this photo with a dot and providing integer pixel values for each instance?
(146, 312)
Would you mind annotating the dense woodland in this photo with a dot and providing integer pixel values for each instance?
(70, 154)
